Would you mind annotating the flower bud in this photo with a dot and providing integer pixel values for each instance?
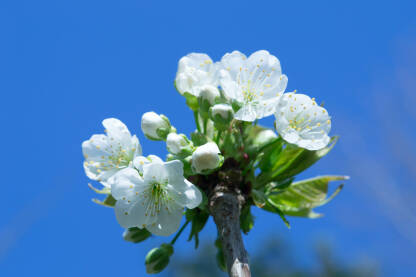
(136, 235)
(208, 95)
(264, 137)
(179, 144)
(156, 127)
(158, 258)
(221, 114)
(206, 158)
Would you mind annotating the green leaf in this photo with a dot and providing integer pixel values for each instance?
(301, 197)
(291, 161)
(259, 198)
(198, 219)
(274, 209)
(109, 201)
(269, 154)
(246, 219)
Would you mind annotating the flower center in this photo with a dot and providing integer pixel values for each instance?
(249, 94)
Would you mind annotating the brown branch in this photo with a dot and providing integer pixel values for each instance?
(225, 206)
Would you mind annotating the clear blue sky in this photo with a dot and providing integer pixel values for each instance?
(67, 65)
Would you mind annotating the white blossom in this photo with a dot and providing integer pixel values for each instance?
(206, 157)
(255, 83)
(195, 71)
(154, 126)
(156, 200)
(106, 154)
(300, 121)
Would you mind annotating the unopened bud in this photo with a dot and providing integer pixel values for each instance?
(208, 96)
(136, 235)
(156, 127)
(221, 114)
(179, 144)
(207, 158)
(158, 258)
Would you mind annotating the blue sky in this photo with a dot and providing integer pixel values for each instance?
(67, 65)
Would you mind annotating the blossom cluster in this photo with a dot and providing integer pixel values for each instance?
(228, 97)
(255, 86)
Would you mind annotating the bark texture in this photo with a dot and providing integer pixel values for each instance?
(225, 206)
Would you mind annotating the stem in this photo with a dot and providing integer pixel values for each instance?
(205, 121)
(198, 127)
(225, 208)
(179, 232)
(217, 140)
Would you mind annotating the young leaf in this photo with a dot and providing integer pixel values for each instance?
(198, 219)
(291, 161)
(301, 197)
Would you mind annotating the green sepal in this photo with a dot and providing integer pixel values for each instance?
(158, 258)
(204, 106)
(191, 101)
(301, 197)
(198, 220)
(198, 138)
(109, 201)
(104, 190)
(136, 235)
(246, 219)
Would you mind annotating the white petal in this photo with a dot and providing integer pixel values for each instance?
(133, 213)
(299, 120)
(168, 221)
(232, 62)
(118, 131)
(137, 148)
(175, 171)
(185, 194)
(155, 159)
(139, 162)
(195, 60)
(246, 113)
(127, 184)
(155, 172)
